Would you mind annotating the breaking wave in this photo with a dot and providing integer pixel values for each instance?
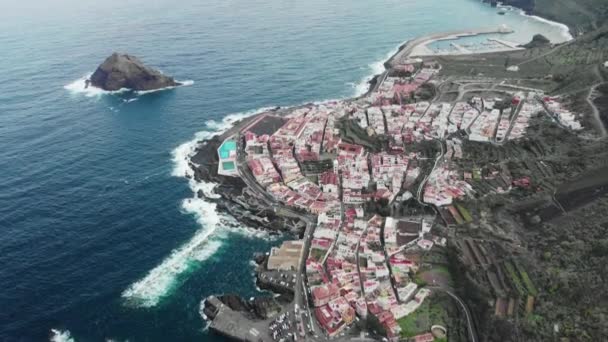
(376, 68)
(159, 282)
(61, 336)
(185, 83)
(564, 29)
(79, 87)
(213, 231)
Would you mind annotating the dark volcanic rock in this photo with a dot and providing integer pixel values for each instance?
(258, 308)
(260, 258)
(125, 71)
(538, 41)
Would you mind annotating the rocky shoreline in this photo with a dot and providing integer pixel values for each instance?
(235, 198)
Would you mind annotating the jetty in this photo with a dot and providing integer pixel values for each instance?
(419, 47)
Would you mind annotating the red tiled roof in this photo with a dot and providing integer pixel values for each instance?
(328, 178)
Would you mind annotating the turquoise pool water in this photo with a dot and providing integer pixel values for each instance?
(226, 148)
(228, 166)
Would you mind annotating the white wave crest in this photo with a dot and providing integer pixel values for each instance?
(79, 87)
(228, 121)
(159, 282)
(564, 29)
(181, 84)
(61, 336)
(182, 154)
(376, 68)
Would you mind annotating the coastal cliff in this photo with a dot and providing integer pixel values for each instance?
(122, 71)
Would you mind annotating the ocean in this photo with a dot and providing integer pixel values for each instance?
(102, 236)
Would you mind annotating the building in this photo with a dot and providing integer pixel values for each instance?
(286, 257)
(328, 182)
(323, 294)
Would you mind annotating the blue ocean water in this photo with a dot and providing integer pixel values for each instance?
(100, 233)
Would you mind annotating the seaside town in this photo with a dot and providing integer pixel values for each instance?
(385, 176)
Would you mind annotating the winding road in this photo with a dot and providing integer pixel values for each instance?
(465, 309)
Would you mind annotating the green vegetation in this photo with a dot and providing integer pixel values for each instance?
(419, 281)
(477, 174)
(579, 15)
(457, 218)
(466, 215)
(515, 279)
(317, 254)
(430, 312)
(442, 269)
(352, 133)
(438, 275)
(526, 280)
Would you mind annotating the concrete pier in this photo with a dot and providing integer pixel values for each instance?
(418, 47)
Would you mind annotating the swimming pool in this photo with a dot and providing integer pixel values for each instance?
(228, 166)
(227, 147)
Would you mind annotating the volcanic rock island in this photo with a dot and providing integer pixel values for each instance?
(122, 71)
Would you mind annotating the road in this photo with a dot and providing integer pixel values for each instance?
(300, 297)
(465, 309)
(596, 112)
(421, 187)
(302, 264)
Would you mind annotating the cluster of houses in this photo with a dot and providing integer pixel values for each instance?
(310, 135)
(275, 160)
(349, 270)
(561, 114)
(332, 272)
(445, 184)
(407, 123)
(352, 165)
(400, 89)
(388, 172)
(483, 129)
(529, 108)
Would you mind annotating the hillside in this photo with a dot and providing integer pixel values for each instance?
(553, 235)
(580, 15)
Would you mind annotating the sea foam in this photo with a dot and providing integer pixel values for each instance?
(61, 336)
(214, 226)
(79, 87)
(376, 68)
(564, 29)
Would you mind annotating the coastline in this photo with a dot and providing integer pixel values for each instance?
(566, 30)
(202, 157)
(207, 186)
